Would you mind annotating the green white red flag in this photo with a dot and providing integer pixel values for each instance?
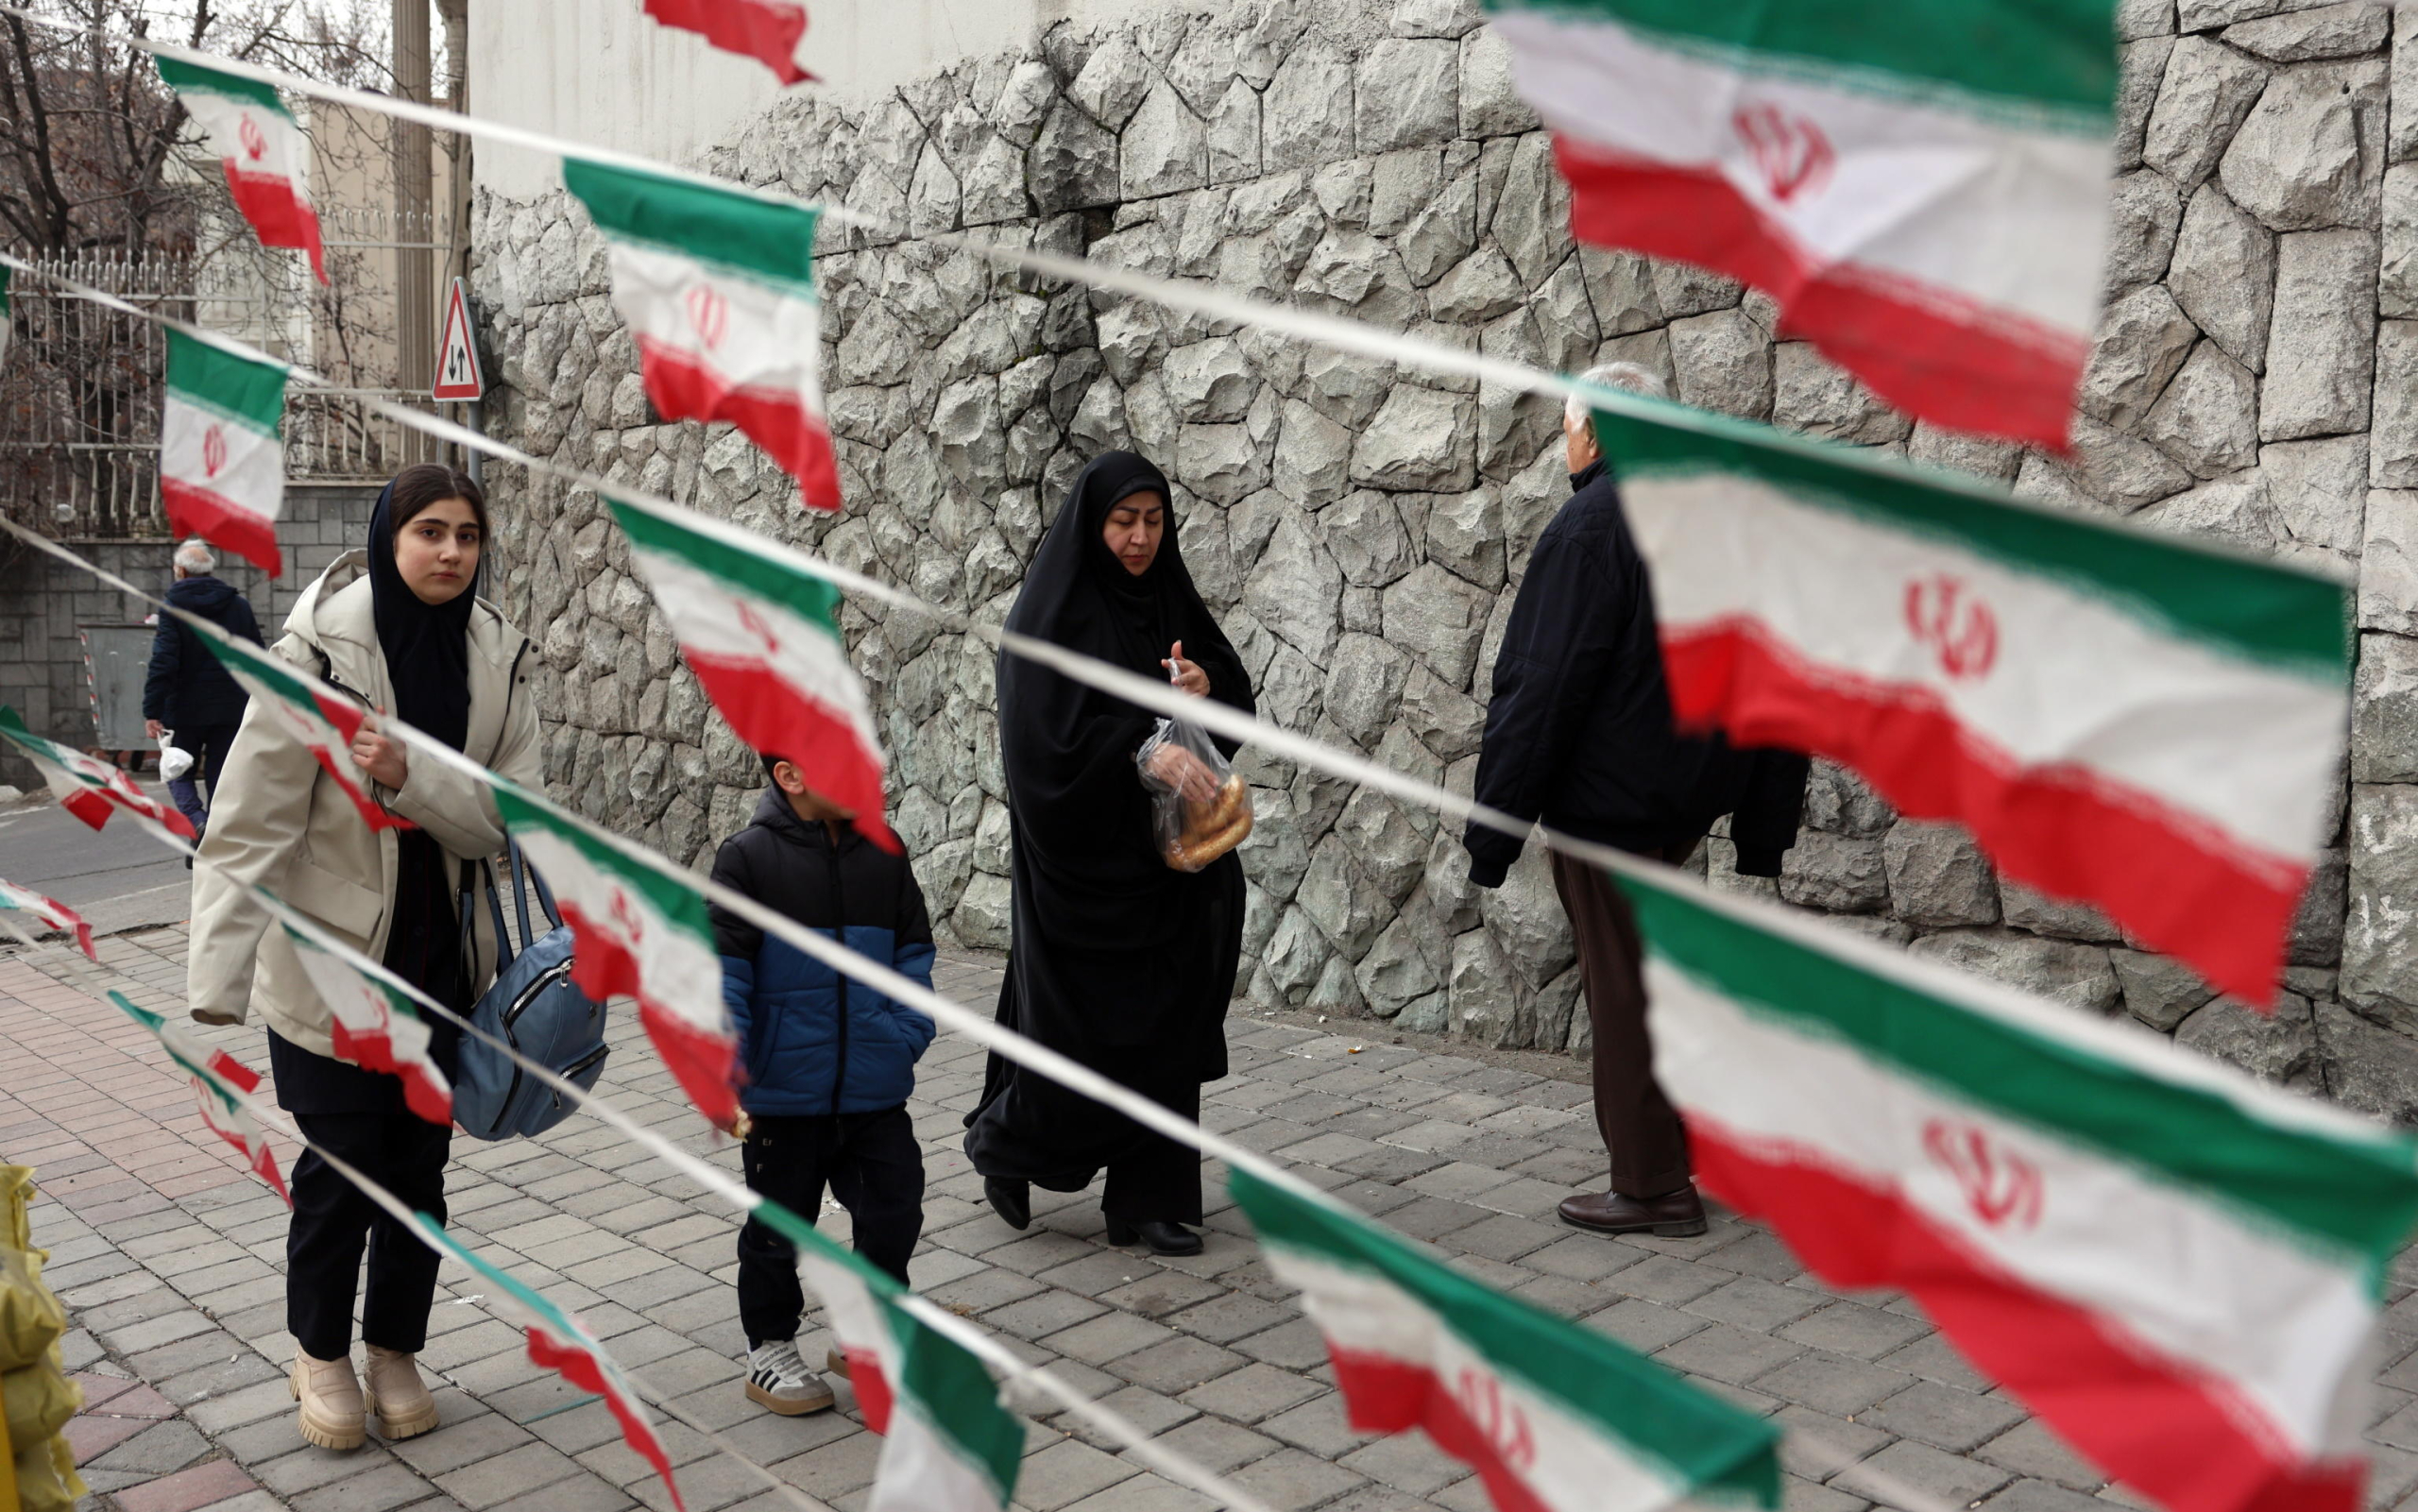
(762, 634)
(374, 1021)
(262, 149)
(639, 929)
(2179, 1269)
(86, 786)
(222, 1085)
(2129, 719)
(50, 911)
(1554, 1417)
(948, 1444)
(222, 465)
(306, 708)
(718, 288)
(1922, 187)
(766, 30)
(557, 1342)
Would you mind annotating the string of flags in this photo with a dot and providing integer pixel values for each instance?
(766, 30)
(1922, 186)
(2116, 719)
(52, 913)
(261, 147)
(84, 785)
(223, 1088)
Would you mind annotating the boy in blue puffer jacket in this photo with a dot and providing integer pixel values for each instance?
(829, 1060)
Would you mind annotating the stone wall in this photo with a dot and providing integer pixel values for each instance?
(43, 601)
(1358, 528)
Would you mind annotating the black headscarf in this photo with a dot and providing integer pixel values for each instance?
(1081, 813)
(427, 645)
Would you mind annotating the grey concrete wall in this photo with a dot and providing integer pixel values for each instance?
(43, 601)
(1360, 529)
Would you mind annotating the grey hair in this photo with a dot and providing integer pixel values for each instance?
(1630, 376)
(195, 558)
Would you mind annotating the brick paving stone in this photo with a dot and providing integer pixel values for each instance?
(1582, 1257)
(1945, 1476)
(1220, 1445)
(1110, 1336)
(2041, 1496)
(1255, 1392)
(161, 1447)
(2029, 1448)
(579, 1493)
(1406, 1462)
(1232, 1316)
(1662, 1279)
(1735, 1355)
(1835, 1383)
(1176, 1364)
(496, 1479)
(1944, 1417)
(1934, 1359)
(455, 1445)
(203, 1486)
(1646, 1326)
(1065, 1473)
(1145, 1493)
(1316, 1426)
(91, 1436)
(1850, 1328)
(1291, 1481)
(1295, 1346)
(1752, 1303)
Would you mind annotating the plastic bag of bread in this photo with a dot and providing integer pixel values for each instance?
(46, 1478)
(31, 1320)
(1199, 805)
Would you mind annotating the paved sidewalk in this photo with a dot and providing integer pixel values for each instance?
(170, 1257)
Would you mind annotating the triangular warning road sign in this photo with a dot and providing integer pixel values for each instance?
(457, 355)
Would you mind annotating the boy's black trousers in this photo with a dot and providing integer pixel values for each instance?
(872, 1165)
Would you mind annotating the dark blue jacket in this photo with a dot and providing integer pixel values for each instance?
(1580, 732)
(186, 687)
(811, 1041)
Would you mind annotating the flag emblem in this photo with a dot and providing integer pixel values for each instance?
(1954, 623)
(2002, 1187)
(255, 140)
(710, 313)
(1792, 151)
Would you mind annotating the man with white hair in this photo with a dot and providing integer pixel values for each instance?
(187, 692)
(1578, 733)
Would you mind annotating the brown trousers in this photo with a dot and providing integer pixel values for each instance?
(1649, 1143)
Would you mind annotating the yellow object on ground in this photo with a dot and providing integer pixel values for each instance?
(38, 1472)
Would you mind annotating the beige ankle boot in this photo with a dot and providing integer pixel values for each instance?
(331, 1396)
(397, 1398)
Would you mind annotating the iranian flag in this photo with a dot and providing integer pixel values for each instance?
(640, 929)
(374, 1022)
(260, 146)
(557, 1340)
(2128, 718)
(2177, 1267)
(86, 786)
(948, 1444)
(222, 466)
(718, 287)
(222, 1085)
(1555, 1418)
(306, 709)
(766, 30)
(1923, 187)
(760, 630)
(52, 912)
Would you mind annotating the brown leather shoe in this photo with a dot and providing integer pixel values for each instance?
(1673, 1214)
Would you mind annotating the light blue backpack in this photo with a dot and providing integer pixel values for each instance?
(533, 1007)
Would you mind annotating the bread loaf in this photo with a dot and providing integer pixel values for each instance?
(1212, 827)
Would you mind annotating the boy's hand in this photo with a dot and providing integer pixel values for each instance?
(739, 1125)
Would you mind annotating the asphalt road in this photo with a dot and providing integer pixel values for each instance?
(118, 878)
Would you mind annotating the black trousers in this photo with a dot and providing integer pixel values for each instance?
(1647, 1142)
(870, 1161)
(332, 1225)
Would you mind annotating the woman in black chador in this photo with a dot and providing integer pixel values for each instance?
(1117, 960)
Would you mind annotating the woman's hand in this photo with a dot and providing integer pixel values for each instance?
(1183, 772)
(1187, 675)
(380, 759)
